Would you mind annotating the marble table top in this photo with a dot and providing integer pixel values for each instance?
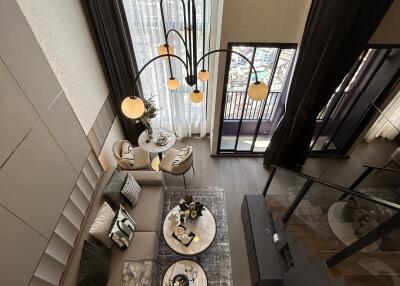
(151, 146)
(204, 228)
(190, 268)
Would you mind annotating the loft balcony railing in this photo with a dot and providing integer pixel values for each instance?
(239, 106)
(375, 234)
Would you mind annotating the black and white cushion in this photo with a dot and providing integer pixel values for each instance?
(127, 153)
(122, 229)
(180, 157)
(131, 190)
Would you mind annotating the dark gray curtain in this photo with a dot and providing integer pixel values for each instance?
(110, 31)
(336, 33)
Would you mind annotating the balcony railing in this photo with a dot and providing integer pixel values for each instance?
(235, 105)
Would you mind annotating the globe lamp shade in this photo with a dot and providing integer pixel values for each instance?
(132, 107)
(173, 83)
(163, 49)
(196, 96)
(203, 75)
(257, 91)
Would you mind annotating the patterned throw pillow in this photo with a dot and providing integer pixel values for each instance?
(122, 229)
(180, 157)
(127, 153)
(112, 191)
(102, 224)
(131, 190)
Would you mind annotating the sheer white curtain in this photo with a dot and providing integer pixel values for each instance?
(177, 112)
(388, 124)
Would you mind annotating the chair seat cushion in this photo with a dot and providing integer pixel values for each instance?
(148, 211)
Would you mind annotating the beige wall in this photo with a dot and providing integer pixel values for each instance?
(54, 119)
(388, 32)
(274, 21)
(63, 34)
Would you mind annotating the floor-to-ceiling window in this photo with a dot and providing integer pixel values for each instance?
(247, 125)
(177, 112)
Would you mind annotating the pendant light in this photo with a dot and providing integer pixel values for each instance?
(173, 83)
(132, 108)
(196, 96)
(203, 75)
(257, 91)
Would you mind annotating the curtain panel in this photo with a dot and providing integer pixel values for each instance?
(176, 112)
(388, 124)
(336, 33)
(108, 24)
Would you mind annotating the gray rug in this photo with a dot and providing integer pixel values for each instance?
(216, 261)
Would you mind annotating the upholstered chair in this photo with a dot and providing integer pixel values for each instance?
(136, 159)
(176, 164)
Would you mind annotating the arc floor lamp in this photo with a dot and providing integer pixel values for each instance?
(133, 107)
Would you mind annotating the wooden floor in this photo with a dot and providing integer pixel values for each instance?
(238, 176)
(241, 175)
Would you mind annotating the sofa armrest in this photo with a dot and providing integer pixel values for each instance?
(148, 178)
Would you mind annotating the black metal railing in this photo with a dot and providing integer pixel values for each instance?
(383, 229)
(237, 104)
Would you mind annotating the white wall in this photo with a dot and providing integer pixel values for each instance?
(63, 34)
(273, 21)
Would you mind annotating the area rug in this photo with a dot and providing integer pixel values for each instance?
(216, 261)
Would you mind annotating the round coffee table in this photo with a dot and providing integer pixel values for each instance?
(190, 268)
(151, 146)
(205, 229)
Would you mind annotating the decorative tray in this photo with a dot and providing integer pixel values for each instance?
(162, 140)
(191, 236)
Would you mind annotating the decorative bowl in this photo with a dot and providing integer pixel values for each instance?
(180, 280)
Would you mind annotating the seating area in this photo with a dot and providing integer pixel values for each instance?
(200, 143)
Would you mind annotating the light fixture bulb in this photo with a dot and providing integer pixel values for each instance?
(196, 96)
(165, 49)
(132, 108)
(203, 75)
(173, 83)
(257, 91)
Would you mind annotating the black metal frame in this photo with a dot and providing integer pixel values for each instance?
(234, 151)
(365, 118)
(386, 227)
(189, 41)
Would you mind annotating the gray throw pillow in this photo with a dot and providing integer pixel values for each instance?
(112, 191)
(102, 224)
(131, 190)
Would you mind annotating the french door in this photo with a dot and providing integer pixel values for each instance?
(246, 126)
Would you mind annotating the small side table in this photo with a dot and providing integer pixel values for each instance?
(151, 146)
(188, 267)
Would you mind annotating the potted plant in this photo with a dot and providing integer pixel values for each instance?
(149, 113)
(189, 209)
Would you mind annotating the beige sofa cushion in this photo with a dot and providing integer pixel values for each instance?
(148, 211)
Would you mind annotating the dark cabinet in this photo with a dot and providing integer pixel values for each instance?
(264, 265)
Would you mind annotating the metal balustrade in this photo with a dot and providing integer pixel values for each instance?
(237, 104)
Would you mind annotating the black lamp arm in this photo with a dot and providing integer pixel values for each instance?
(183, 40)
(165, 36)
(229, 51)
(148, 63)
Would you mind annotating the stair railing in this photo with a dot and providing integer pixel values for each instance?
(377, 233)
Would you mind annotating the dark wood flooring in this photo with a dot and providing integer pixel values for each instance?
(246, 175)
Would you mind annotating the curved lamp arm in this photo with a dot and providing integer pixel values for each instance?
(182, 39)
(148, 63)
(233, 52)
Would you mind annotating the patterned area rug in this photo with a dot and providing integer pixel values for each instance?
(216, 261)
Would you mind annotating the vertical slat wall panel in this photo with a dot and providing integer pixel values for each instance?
(61, 244)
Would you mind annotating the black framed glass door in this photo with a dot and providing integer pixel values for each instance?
(246, 126)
